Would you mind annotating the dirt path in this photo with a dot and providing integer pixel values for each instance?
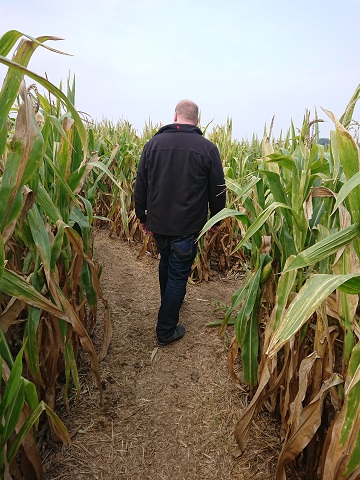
(168, 413)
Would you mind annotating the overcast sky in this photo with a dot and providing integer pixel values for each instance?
(247, 60)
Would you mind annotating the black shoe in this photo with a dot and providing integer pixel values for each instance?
(179, 332)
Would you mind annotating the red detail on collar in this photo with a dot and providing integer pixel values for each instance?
(178, 127)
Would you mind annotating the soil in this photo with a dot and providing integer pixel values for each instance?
(168, 413)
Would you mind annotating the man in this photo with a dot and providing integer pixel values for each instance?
(180, 177)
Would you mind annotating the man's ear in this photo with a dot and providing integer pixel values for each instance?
(175, 117)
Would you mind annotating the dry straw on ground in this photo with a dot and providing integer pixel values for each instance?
(168, 413)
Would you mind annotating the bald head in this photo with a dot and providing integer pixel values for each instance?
(186, 111)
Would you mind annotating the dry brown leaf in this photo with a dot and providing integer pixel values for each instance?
(304, 379)
(11, 313)
(242, 428)
(79, 328)
(88, 168)
(232, 356)
(333, 454)
(301, 434)
(28, 445)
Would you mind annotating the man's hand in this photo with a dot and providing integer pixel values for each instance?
(145, 230)
(214, 229)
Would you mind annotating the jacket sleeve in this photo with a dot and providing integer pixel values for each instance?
(140, 190)
(217, 190)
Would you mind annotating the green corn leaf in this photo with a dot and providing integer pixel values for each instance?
(40, 236)
(349, 155)
(311, 295)
(250, 348)
(2, 256)
(82, 221)
(345, 119)
(285, 161)
(77, 158)
(58, 126)
(286, 245)
(351, 422)
(89, 210)
(8, 40)
(43, 199)
(77, 177)
(354, 460)
(56, 245)
(250, 207)
(63, 158)
(236, 299)
(61, 179)
(78, 217)
(336, 168)
(242, 318)
(10, 189)
(348, 186)
(104, 219)
(11, 205)
(13, 383)
(14, 77)
(58, 427)
(320, 166)
(33, 160)
(260, 193)
(262, 218)
(224, 213)
(31, 395)
(277, 191)
(70, 368)
(32, 350)
(46, 84)
(275, 185)
(105, 169)
(23, 160)
(325, 247)
(86, 279)
(11, 35)
(353, 392)
(285, 287)
(15, 286)
(28, 424)
(14, 411)
(79, 328)
(348, 152)
(347, 309)
(343, 450)
(351, 287)
(241, 190)
(5, 352)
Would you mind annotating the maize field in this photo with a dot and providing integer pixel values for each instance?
(292, 220)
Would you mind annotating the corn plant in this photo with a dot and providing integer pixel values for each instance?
(119, 147)
(20, 410)
(298, 307)
(49, 282)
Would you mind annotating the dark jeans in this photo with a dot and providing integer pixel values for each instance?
(176, 257)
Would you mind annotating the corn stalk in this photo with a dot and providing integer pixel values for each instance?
(49, 282)
(298, 307)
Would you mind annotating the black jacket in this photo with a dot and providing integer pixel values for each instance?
(180, 177)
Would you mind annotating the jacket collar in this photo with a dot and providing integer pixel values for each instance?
(179, 127)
